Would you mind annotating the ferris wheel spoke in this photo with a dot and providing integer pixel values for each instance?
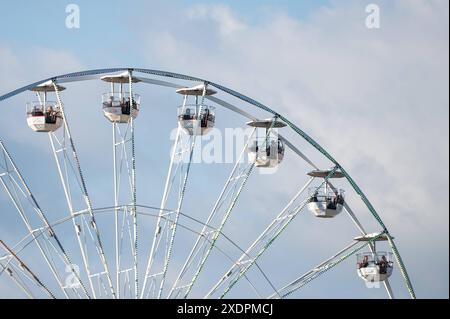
(159, 82)
(26, 270)
(17, 280)
(66, 155)
(181, 146)
(133, 190)
(388, 288)
(169, 247)
(237, 110)
(353, 217)
(326, 266)
(39, 243)
(297, 151)
(317, 271)
(234, 186)
(264, 241)
(124, 175)
(350, 212)
(356, 188)
(78, 219)
(217, 217)
(21, 197)
(176, 162)
(161, 248)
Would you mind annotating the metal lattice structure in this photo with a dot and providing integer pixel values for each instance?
(127, 276)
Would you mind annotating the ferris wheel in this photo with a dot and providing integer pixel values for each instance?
(129, 249)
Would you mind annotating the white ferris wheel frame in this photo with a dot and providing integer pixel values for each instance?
(63, 147)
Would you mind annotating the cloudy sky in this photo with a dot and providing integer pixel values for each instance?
(376, 99)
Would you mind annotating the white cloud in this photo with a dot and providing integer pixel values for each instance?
(219, 15)
(376, 99)
(33, 64)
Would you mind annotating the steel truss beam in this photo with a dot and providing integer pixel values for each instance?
(203, 248)
(216, 220)
(124, 216)
(126, 228)
(86, 229)
(264, 241)
(181, 160)
(322, 268)
(19, 264)
(15, 278)
(49, 245)
(159, 248)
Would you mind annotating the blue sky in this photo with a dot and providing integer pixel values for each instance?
(377, 100)
(109, 21)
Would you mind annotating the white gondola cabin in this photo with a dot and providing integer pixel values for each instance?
(376, 266)
(118, 104)
(44, 115)
(267, 151)
(326, 201)
(197, 118)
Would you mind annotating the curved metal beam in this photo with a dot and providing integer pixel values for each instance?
(109, 210)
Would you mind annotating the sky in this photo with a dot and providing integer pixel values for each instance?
(376, 99)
